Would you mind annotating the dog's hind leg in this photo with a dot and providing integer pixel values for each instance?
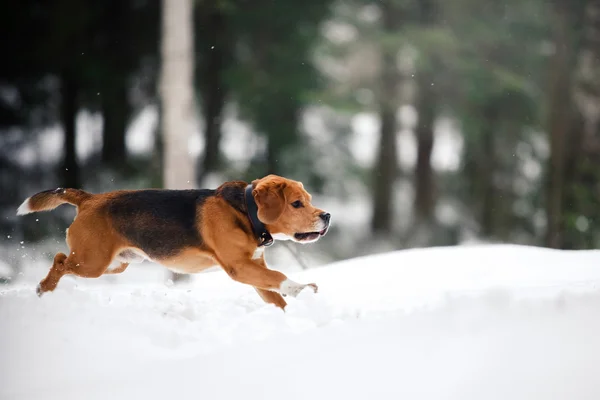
(92, 267)
(88, 257)
(56, 272)
(116, 270)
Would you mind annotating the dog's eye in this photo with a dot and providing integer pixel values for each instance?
(297, 204)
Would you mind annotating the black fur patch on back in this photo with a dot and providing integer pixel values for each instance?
(159, 222)
(233, 193)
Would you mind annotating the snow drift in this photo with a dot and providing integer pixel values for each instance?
(483, 322)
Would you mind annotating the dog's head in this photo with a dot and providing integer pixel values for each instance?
(285, 208)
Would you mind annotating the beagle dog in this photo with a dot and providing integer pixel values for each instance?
(186, 231)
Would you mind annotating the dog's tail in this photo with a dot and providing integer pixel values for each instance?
(50, 199)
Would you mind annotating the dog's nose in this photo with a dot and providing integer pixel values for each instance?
(325, 217)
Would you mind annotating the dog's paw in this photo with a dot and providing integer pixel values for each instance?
(38, 290)
(291, 288)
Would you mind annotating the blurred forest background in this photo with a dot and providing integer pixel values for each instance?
(414, 122)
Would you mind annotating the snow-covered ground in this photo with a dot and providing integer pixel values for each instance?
(476, 322)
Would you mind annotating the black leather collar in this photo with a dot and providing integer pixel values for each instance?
(260, 230)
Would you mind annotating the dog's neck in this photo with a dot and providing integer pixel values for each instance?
(258, 228)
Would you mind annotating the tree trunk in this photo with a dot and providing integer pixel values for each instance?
(176, 84)
(177, 92)
(118, 58)
(424, 179)
(426, 109)
(70, 168)
(273, 151)
(582, 158)
(386, 163)
(157, 178)
(559, 116)
(115, 111)
(385, 173)
(214, 90)
(487, 168)
(282, 135)
(587, 83)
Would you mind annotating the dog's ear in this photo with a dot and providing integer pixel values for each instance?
(270, 199)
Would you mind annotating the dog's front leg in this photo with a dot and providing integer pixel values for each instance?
(271, 297)
(256, 273)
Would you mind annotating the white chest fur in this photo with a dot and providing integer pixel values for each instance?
(258, 253)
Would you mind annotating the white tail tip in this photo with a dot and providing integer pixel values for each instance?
(24, 208)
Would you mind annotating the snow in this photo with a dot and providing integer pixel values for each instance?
(469, 322)
(5, 270)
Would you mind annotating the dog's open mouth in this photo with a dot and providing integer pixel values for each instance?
(309, 236)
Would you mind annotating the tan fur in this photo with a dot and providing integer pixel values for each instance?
(189, 261)
(95, 243)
